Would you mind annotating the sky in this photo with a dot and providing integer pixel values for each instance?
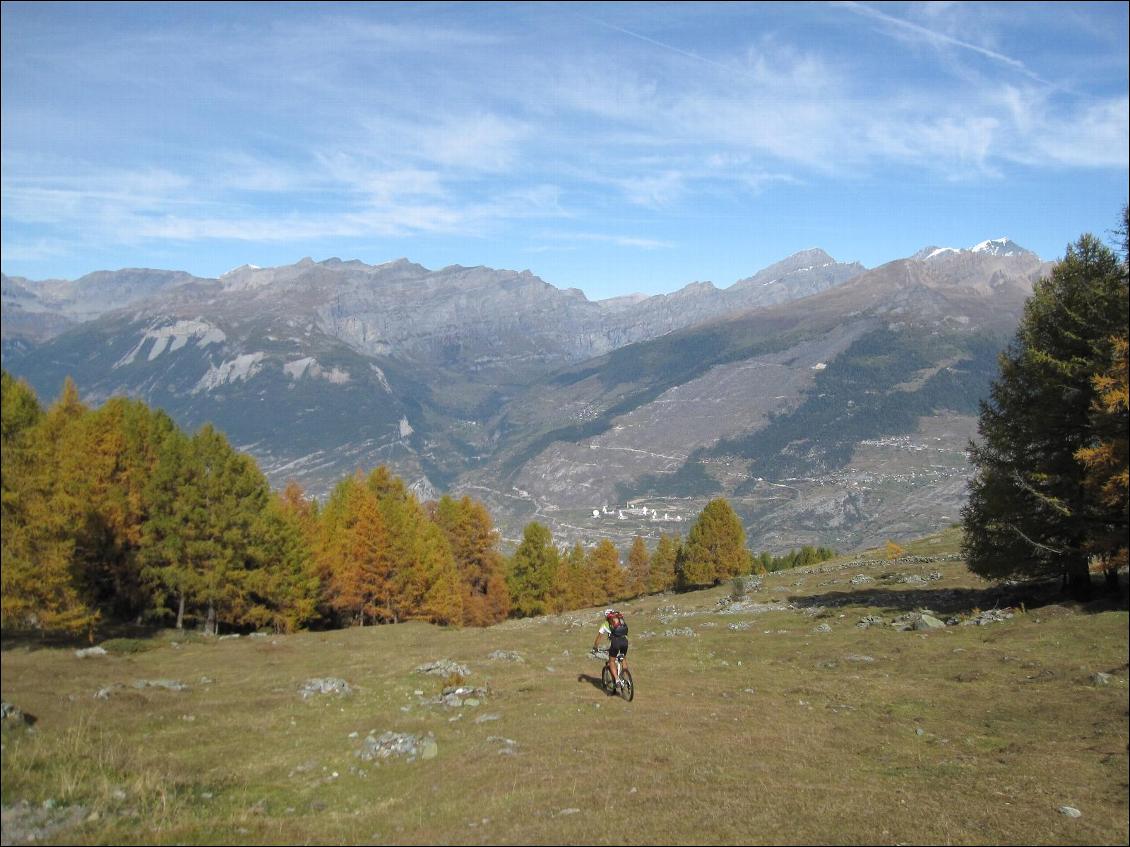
(615, 148)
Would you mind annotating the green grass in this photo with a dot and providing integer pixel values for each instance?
(772, 734)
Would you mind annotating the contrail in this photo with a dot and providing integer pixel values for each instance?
(932, 35)
(665, 46)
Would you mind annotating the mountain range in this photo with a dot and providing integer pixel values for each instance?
(830, 402)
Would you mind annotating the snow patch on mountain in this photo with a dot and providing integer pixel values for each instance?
(309, 366)
(173, 337)
(241, 368)
(383, 379)
(941, 251)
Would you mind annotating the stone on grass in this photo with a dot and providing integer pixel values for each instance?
(444, 667)
(403, 745)
(327, 685)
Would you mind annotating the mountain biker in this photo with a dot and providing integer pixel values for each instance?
(615, 629)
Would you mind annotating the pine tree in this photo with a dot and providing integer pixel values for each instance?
(1029, 513)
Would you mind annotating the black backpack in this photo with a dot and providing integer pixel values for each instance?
(617, 626)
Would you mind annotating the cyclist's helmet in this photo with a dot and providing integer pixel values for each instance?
(609, 612)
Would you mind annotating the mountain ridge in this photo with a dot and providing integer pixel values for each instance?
(490, 382)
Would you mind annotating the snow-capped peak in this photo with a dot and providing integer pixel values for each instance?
(234, 271)
(998, 247)
(938, 251)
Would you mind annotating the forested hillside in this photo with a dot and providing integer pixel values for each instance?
(115, 515)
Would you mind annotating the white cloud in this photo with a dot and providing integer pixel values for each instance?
(350, 124)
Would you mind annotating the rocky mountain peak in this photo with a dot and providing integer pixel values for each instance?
(989, 247)
(806, 261)
(1000, 247)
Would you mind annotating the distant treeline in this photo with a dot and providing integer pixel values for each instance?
(115, 515)
(806, 555)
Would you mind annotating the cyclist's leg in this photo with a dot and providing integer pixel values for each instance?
(617, 649)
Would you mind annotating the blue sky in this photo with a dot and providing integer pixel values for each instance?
(614, 148)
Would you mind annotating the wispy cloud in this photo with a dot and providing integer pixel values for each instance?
(559, 239)
(345, 123)
(910, 30)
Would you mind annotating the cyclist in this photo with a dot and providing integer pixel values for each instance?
(615, 629)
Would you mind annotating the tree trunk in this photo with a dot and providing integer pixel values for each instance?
(1078, 578)
(180, 612)
(1111, 580)
(210, 625)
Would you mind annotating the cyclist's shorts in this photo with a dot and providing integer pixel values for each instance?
(619, 647)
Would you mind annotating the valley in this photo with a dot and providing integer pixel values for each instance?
(788, 391)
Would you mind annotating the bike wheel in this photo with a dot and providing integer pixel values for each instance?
(606, 681)
(627, 690)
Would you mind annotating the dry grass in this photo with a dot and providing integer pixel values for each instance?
(772, 734)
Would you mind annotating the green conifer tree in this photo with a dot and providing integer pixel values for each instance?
(715, 549)
(1029, 512)
(531, 572)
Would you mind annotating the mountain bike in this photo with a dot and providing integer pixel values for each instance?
(626, 690)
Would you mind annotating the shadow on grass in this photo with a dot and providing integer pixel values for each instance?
(1032, 595)
(29, 639)
(594, 681)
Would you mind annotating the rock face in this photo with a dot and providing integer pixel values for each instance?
(549, 406)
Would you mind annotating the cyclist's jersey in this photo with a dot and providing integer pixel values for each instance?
(606, 630)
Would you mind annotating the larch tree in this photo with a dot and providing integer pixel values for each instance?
(531, 571)
(39, 585)
(570, 585)
(1030, 511)
(716, 547)
(1107, 468)
(639, 568)
(283, 578)
(475, 544)
(662, 573)
(606, 573)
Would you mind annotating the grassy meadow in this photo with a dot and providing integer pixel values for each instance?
(779, 721)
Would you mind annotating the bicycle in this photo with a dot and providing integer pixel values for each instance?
(626, 690)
